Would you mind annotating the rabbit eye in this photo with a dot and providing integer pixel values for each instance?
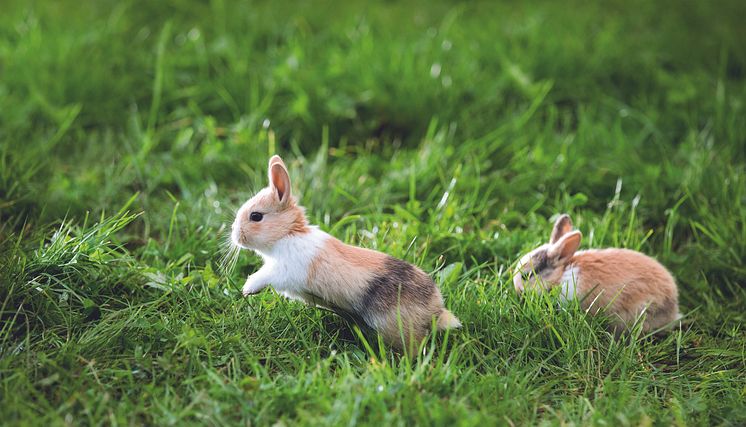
(256, 216)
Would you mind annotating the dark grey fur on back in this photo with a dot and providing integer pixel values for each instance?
(398, 281)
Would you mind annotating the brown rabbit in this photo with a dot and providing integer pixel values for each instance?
(627, 284)
(302, 262)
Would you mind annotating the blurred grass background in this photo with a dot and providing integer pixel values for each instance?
(446, 133)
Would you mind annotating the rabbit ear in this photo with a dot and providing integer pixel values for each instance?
(562, 226)
(567, 245)
(279, 179)
(276, 159)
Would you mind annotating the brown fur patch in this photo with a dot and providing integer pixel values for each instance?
(340, 272)
(299, 224)
(393, 297)
(626, 283)
(366, 258)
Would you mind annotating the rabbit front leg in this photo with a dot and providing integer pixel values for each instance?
(257, 281)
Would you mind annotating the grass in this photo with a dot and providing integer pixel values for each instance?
(444, 133)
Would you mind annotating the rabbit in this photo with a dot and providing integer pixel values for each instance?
(302, 262)
(626, 283)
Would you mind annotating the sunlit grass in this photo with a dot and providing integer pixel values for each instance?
(445, 134)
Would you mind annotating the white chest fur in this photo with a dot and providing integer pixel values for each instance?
(569, 284)
(287, 263)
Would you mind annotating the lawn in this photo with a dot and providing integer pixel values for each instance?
(448, 134)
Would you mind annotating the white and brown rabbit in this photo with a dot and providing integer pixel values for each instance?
(392, 297)
(623, 282)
